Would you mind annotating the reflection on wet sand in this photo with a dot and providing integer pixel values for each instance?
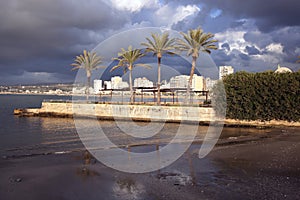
(84, 171)
(128, 188)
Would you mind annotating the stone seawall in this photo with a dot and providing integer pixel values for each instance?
(141, 113)
(113, 111)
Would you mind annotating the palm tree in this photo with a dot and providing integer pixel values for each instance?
(88, 61)
(194, 42)
(127, 59)
(159, 45)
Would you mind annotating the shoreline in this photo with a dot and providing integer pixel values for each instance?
(105, 112)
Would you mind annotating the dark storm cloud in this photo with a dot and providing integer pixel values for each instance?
(244, 56)
(226, 46)
(251, 50)
(221, 58)
(268, 14)
(46, 35)
(289, 37)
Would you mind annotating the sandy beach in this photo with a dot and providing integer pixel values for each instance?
(257, 166)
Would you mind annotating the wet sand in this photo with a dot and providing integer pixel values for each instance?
(255, 166)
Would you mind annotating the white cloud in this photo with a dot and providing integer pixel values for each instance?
(275, 48)
(133, 5)
(272, 53)
(234, 38)
(169, 16)
(184, 11)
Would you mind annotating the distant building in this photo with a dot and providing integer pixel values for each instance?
(198, 83)
(142, 82)
(97, 86)
(210, 83)
(179, 81)
(115, 81)
(107, 85)
(283, 70)
(122, 85)
(182, 81)
(79, 90)
(225, 70)
(165, 85)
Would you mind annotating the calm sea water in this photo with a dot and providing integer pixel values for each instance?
(35, 135)
(18, 132)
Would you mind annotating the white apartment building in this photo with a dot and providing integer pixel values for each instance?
(210, 83)
(97, 86)
(107, 85)
(198, 83)
(142, 82)
(179, 81)
(225, 70)
(115, 83)
(183, 80)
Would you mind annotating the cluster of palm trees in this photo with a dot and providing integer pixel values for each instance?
(193, 43)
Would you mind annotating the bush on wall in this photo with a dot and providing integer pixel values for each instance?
(262, 96)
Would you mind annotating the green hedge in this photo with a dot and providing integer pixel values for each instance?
(262, 96)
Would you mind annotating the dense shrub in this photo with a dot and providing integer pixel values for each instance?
(262, 96)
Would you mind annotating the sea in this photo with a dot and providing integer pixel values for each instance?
(21, 136)
(30, 132)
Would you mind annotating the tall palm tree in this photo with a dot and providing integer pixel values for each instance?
(88, 61)
(127, 59)
(194, 42)
(159, 45)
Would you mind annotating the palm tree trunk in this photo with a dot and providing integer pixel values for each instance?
(130, 86)
(88, 87)
(158, 80)
(189, 86)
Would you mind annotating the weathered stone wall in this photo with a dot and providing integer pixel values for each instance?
(138, 112)
(141, 112)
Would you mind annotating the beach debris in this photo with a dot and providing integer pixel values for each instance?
(18, 180)
(178, 178)
(128, 188)
(62, 152)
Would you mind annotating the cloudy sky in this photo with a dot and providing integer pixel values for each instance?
(39, 39)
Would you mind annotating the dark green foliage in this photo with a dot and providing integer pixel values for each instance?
(218, 99)
(263, 96)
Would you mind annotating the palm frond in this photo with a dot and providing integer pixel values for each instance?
(195, 41)
(143, 65)
(88, 60)
(159, 44)
(127, 58)
(115, 67)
